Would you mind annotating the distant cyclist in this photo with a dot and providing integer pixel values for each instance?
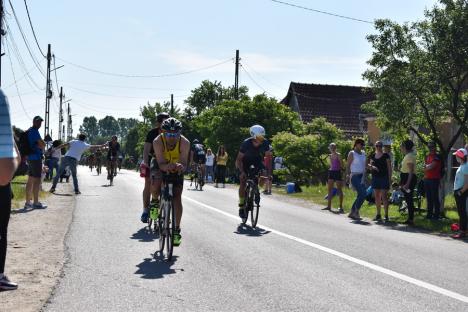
(149, 168)
(98, 160)
(198, 157)
(172, 153)
(112, 152)
(251, 153)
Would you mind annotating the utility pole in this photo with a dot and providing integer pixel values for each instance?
(60, 114)
(172, 104)
(2, 33)
(68, 122)
(48, 93)
(236, 79)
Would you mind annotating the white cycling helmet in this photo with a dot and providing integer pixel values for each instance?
(257, 131)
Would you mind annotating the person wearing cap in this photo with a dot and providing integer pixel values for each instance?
(408, 179)
(149, 169)
(432, 176)
(33, 185)
(460, 190)
(10, 158)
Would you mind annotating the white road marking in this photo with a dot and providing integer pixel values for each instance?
(366, 264)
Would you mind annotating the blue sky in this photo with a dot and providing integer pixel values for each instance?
(278, 44)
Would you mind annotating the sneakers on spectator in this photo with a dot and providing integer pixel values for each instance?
(77, 192)
(27, 205)
(6, 284)
(39, 205)
(52, 189)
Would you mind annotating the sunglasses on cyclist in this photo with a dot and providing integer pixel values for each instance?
(171, 134)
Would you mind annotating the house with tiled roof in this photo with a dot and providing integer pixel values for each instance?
(340, 105)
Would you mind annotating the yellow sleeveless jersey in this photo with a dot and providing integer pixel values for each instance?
(171, 156)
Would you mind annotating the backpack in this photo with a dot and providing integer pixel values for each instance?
(24, 147)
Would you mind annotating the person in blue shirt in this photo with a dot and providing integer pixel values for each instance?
(33, 185)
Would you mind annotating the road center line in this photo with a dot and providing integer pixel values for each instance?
(344, 256)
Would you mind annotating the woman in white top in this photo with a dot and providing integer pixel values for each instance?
(355, 175)
(209, 164)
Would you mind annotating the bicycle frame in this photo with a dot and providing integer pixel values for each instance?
(166, 220)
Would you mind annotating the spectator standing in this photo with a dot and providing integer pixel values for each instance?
(268, 162)
(76, 149)
(460, 187)
(209, 164)
(356, 176)
(55, 155)
(278, 164)
(221, 163)
(408, 178)
(334, 177)
(380, 166)
(9, 161)
(432, 176)
(37, 146)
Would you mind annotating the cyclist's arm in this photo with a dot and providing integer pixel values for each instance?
(184, 152)
(240, 157)
(146, 150)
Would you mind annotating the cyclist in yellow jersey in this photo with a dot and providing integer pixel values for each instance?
(172, 149)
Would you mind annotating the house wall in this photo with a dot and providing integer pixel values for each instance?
(373, 132)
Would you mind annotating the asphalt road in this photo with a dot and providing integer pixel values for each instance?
(300, 259)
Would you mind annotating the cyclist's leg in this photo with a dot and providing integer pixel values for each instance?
(177, 192)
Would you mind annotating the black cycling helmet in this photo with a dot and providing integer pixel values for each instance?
(162, 116)
(195, 141)
(171, 124)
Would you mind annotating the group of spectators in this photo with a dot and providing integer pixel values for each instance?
(380, 166)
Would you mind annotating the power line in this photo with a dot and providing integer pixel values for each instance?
(25, 39)
(20, 60)
(120, 86)
(144, 76)
(255, 82)
(323, 12)
(32, 28)
(113, 95)
(261, 76)
(14, 79)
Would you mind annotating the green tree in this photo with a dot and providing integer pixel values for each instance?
(90, 127)
(305, 153)
(125, 124)
(108, 126)
(228, 122)
(419, 73)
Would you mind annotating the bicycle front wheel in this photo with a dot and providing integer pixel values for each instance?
(162, 227)
(247, 203)
(170, 221)
(255, 210)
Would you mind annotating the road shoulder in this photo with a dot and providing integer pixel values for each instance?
(36, 250)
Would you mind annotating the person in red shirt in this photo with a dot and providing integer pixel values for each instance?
(432, 176)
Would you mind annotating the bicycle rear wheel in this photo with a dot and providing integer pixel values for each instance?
(196, 182)
(170, 222)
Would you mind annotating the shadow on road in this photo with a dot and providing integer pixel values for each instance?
(246, 230)
(15, 211)
(145, 235)
(62, 194)
(157, 267)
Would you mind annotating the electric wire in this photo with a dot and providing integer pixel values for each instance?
(32, 29)
(14, 79)
(25, 39)
(322, 12)
(145, 76)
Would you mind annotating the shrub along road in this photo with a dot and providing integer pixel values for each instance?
(299, 259)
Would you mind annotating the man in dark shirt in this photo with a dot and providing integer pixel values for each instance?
(149, 168)
(198, 156)
(35, 165)
(251, 153)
